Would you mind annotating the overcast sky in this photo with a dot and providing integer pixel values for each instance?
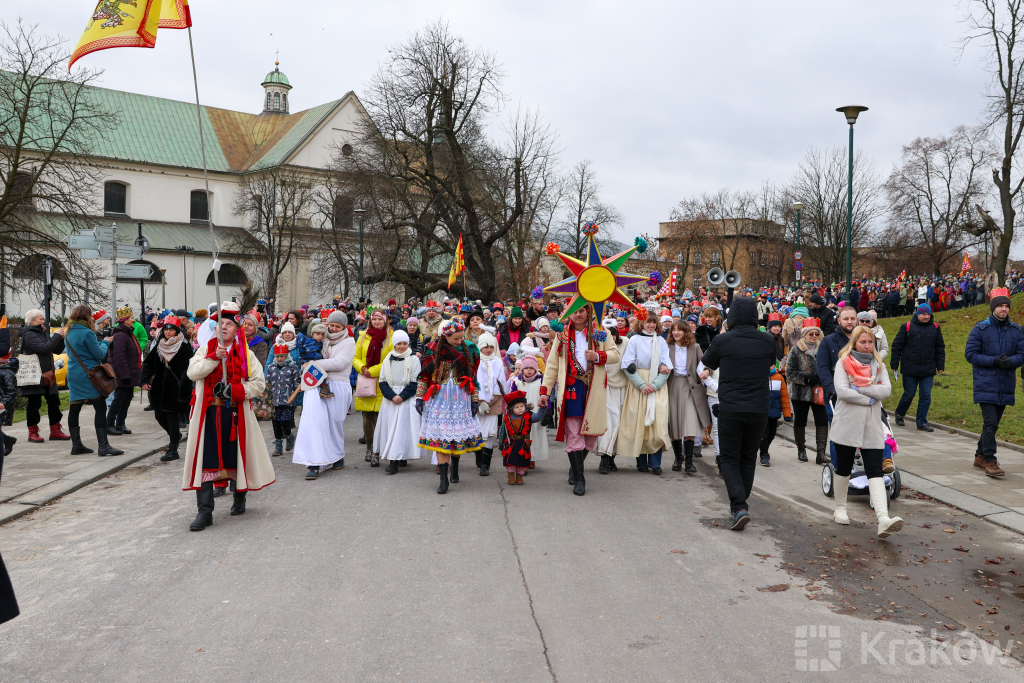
(668, 98)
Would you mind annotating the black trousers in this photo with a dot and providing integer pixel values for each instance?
(282, 430)
(119, 407)
(35, 402)
(169, 421)
(99, 406)
(991, 414)
(872, 460)
(800, 409)
(770, 428)
(740, 435)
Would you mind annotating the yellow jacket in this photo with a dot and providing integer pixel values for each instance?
(369, 404)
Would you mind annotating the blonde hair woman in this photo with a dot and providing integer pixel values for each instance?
(861, 381)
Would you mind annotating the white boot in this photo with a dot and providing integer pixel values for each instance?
(880, 501)
(841, 486)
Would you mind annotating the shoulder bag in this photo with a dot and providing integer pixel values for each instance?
(101, 376)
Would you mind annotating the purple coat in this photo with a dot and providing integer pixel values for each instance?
(124, 357)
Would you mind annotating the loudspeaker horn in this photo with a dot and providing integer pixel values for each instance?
(716, 276)
(733, 279)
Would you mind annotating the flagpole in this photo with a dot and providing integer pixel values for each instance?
(209, 208)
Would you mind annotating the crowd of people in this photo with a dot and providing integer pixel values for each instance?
(442, 379)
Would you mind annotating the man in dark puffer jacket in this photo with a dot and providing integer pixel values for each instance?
(744, 354)
(920, 352)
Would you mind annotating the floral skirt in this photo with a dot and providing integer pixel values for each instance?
(448, 425)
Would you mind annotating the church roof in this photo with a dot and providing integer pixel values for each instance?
(276, 77)
(165, 132)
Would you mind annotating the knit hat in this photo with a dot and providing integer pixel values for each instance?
(412, 319)
(530, 362)
(516, 312)
(280, 349)
(475, 313)
(392, 302)
(925, 308)
(864, 315)
(1000, 296)
(692, 319)
(666, 319)
(287, 327)
(338, 317)
(487, 339)
(317, 327)
(541, 322)
(675, 313)
(801, 310)
(398, 337)
(816, 299)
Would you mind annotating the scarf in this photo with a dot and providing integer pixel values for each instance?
(332, 338)
(858, 370)
(377, 337)
(397, 366)
(490, 367)
(289, 344)
(167, 348)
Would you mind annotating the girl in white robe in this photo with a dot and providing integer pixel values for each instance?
(396, 437)
(490, 377)
(528, 381)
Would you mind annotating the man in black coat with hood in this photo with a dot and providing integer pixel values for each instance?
(743, 356)
(826, 317)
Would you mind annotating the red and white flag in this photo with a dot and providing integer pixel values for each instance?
(669, 288)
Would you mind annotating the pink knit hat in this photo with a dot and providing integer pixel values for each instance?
(530, 362)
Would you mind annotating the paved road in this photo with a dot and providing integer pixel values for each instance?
(361, 576)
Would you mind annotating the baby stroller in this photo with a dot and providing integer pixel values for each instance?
(858, 478)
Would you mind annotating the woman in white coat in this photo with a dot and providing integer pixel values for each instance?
(861, 382)
(643, 426)
(616, 397)
(396, 436)
(321, 439)
(490, 377)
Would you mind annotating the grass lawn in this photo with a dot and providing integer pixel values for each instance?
(953, 392)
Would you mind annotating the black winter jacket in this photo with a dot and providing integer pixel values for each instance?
(8, 390)
(170, 389)
(827, 317)
(743, 356)
(124, 357)
(919, 352)
(35, 341)
(705, 334)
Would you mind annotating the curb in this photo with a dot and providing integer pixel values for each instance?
(990, 512)
(37, 498)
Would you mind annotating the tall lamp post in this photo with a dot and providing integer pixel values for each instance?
(185, 249)
(359, 214)
(850, 112)
(798, 206)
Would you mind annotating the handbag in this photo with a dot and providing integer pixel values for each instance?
(819, 396)
(101, 376)
(365, 386)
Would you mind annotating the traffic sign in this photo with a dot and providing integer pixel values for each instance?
(142, 242)
(103, 234)
(129, 251)
(798, 255)
(90, 253)
(82, 241)
(798, 266)
(134, 272)
(105, 249)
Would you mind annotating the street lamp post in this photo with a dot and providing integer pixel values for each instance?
(850, 112)
(359, 214)
(798, 206)
(185, 249)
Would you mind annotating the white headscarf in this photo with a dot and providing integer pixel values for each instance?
(397, 368)
(490, 367)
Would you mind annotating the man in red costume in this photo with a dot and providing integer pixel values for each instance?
(224, 439)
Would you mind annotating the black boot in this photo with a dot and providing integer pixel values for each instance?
(572, 467)
(800, 437)
(454, 469)
(581, 481)
(104, 446)
(171, 453)
(112, 430)
(392, 467)
(238, 506)
(677, 448)
(77, 447)
(443, 469)
(480, 458)
(204, 500)
(605, 466)
(688, 446)
(9, 442)
(485, 461)
(611, 463)
(821, 443)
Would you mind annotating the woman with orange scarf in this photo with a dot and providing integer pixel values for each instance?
(861, 383)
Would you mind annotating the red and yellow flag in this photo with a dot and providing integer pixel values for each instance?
(966, 265)
(129, 23)
(458, 265)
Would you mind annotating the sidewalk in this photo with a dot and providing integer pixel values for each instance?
(941, 465)
(36, 473)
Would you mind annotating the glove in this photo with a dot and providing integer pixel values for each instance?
(475, 407)
(419, 406)
(1005, 362)
(631, 369)
(484, 408)
(895, 374)
(831, 398)
(871, 401)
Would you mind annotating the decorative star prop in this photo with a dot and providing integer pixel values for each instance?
(595, 282)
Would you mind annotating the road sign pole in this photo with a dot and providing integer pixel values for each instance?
(113, 280)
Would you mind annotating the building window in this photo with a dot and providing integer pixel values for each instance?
(342, 219)
(115, 199)
(277, 101)
(269, 101)
(31, 268)
(697, 258)
(284, 101)
(22, 188)
(696, 281)
(764, 259)
(752, 258)
(346, 149)
(714, 258)
(200, 210)
(230, 274)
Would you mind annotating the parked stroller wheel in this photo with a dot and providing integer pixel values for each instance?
(828, 481)
(897, 485)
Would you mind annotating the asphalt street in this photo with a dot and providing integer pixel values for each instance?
(361, 576)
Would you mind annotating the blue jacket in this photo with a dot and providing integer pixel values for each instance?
(894, 298)
(988, 340)
(828, 354)
(309, 348)
(91, 352)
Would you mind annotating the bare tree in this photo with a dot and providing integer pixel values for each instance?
(427, 158)
(998, 25)
(583, 205)
(821, 184)
(932, 193)
(49, 124)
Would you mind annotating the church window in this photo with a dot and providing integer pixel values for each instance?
(277, 101)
